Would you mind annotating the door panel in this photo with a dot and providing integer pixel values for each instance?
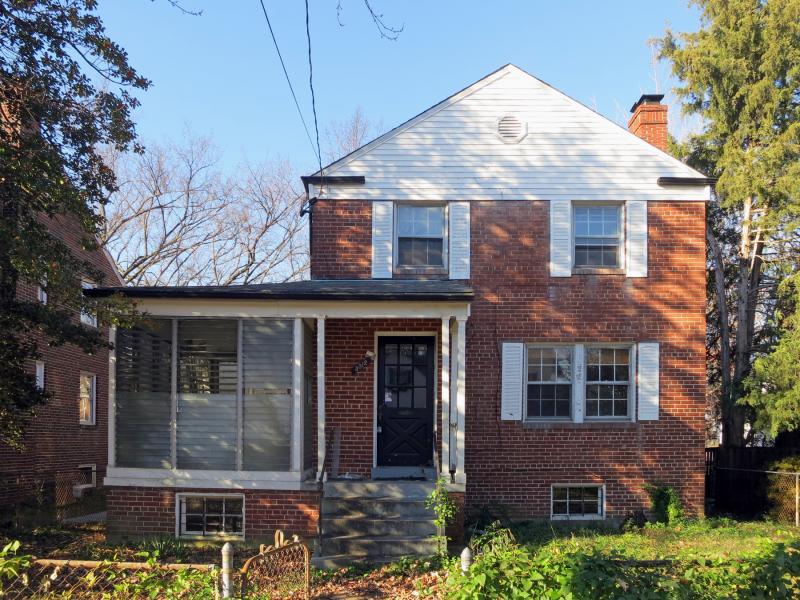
(405, 400)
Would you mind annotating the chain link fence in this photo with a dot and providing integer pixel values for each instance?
(755, 493)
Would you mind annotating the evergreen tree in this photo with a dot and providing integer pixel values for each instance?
(65, 91)
(741, 74)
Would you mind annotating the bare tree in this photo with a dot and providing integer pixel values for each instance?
(343, 137)
(176, 220)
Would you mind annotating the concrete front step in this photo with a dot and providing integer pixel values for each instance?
(405, 490)
(333, 525)
(368, 547)
(386, 508)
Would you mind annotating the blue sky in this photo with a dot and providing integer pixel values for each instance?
(218, 75)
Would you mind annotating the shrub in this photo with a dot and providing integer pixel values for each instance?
(665, 503)
(780, 489)
(11, 563)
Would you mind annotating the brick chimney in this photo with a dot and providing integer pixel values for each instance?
(649, 120)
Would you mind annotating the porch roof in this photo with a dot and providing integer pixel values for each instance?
(317, 289)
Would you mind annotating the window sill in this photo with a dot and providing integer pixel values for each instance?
(87, 424)
(420, 270)
(530, 424)
(577, 517)
(598, 271)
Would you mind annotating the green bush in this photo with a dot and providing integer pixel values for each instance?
(665, 503)
(780, 489)
(504, 569)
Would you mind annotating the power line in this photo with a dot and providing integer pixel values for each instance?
(311, 85)
(291, 88)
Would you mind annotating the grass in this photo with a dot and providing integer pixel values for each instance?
(705, 538)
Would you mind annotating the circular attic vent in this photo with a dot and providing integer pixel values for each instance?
(511, 129)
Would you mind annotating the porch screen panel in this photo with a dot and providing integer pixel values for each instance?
(143, 394)
(309, 415)
(207, 382)
(267, 348)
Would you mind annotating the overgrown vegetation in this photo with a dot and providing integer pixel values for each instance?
(701, 559)
(444, 509)
(665, 503)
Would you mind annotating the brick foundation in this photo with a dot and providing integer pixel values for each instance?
(142, 512)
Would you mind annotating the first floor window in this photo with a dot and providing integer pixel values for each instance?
(577, 501)
(607, 382)
(597, 236)
(87, 399)
(420, 233)
(211, 515)
(549, 389)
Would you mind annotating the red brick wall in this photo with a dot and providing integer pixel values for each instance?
(341, 240)
(649, 122)
(512, 464)
(350, 399)
(55, 442)
(140, 512)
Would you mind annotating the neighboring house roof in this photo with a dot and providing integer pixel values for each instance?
(318, 289)
(566, 151)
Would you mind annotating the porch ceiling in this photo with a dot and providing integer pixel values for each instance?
(318, 289)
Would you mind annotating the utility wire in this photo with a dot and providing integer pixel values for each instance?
(291, 88)
(311, 85)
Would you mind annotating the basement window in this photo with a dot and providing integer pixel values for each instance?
(210, 516)
(577, 501)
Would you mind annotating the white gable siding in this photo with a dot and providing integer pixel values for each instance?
(452, 151)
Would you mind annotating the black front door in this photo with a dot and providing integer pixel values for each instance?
(405, 401)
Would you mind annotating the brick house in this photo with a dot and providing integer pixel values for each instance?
(508, 291)
(66, 444)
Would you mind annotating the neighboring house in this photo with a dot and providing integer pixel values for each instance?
(507, 290)
(65, 445)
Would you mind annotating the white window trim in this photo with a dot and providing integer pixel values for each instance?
(92, 399)
(88, 318)
(40, 375)
(180, 496)
(622, 249)
(601, 502)
(397, 268)
(571, 417)
(631, 348)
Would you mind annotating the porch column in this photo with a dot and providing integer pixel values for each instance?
(444, 434)
(112, 397)
(297, 396)
(320, 397)
(461, 397)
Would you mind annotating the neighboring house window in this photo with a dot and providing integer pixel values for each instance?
(88, 475)
(598, 237)
(420, 233)
(87, 399)
(87, 317)
(607, 382)
(214, 516)
(40, 374)
(577, 502)
(41, 292)
(549, 389)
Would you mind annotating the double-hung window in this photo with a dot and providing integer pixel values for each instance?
(549, 384)
(607, 382)
(87, 399)
(598, 236)
(421, 234)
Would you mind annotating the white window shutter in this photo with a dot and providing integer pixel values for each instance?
(560, 238)
(636, 238)
(511, 382)
(578, 383)
(382, 238)
(459, 240)
(647, 376)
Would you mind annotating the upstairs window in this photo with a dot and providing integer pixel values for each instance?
(598, 237)
(88, 317)
(420, 237)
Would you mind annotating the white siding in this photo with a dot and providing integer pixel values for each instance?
(382, 234)
(459, 240)
(511, 393)
(560, 238)
(648, 385)
(636, 242)
(570, 152)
